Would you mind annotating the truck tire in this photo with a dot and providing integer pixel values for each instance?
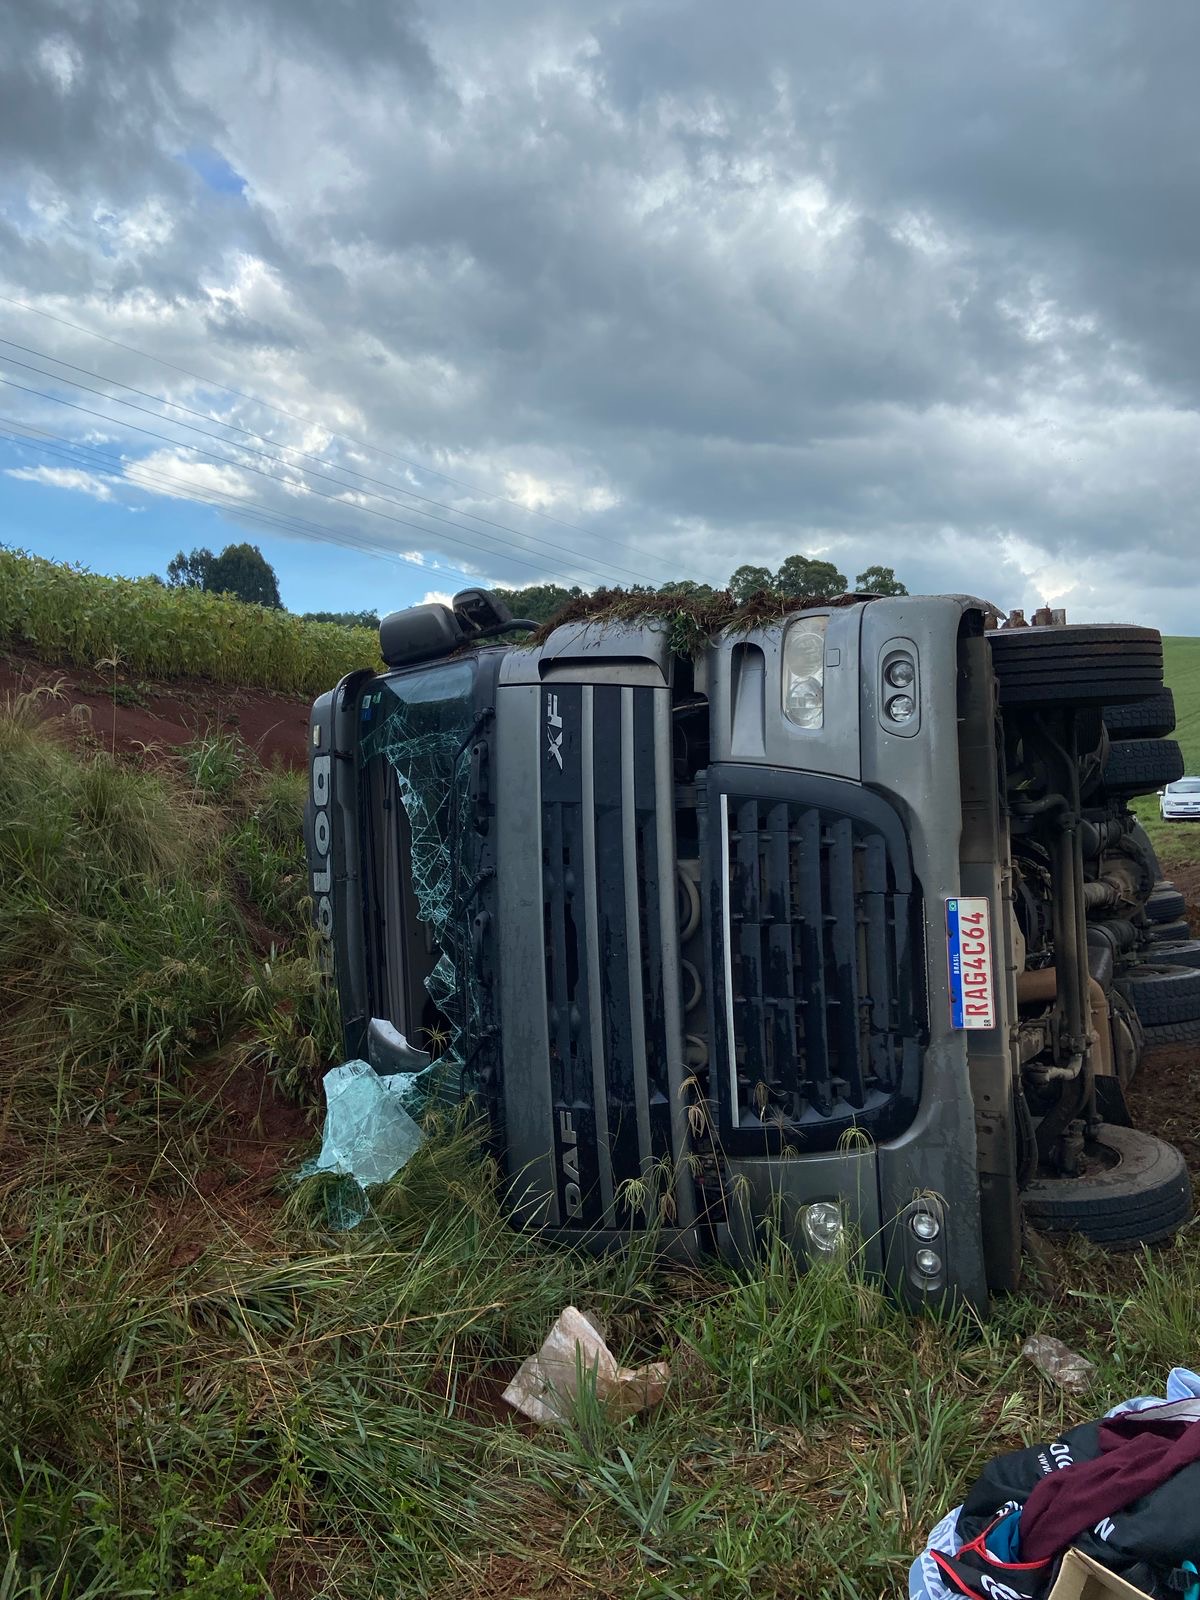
(1153, 718)
(1162, 994)
(1172, 933)
(1143, 1195)
(1166, 903)
(1141, 766)
(1177, 953)
(1171, 1035)
(1078, 665)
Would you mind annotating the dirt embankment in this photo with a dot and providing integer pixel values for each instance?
(132, 717)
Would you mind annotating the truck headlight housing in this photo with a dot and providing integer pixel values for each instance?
(824, 1226)
(804, 672)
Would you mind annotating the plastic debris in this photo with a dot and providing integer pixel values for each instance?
(546, 1387)
(368, 1135)
(1062, 1365)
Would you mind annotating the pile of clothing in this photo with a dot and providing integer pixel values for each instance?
(1125, 1490)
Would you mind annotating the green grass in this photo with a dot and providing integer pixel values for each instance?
(69, 616)
(1178, 842)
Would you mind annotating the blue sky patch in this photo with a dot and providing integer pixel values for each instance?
(213, 168)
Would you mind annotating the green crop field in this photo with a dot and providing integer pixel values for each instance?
(72, 617)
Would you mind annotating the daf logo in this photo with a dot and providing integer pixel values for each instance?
(572, 1194)
(322, 877)
(554, 729)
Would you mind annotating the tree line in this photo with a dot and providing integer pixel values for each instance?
(242, 571)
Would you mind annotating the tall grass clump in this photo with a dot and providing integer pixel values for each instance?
(68, 615)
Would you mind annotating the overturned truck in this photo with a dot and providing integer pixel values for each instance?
(838, 917)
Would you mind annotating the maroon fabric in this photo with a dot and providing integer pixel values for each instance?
(1138, 1453)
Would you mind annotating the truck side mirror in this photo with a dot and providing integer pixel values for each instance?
(481, 611)
(422, 633)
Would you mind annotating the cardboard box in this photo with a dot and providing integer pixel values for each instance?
(1081, 1578)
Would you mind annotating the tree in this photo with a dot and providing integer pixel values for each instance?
(345, 619)
(747, 581)
(190, 572)
(241, 570)
(539, 601)
(800, 575)
(879, 580)
(689, 589)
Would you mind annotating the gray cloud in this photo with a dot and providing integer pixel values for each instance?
(910, 284)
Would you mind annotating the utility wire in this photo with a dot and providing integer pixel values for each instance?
(129, 472)
(241, 466)
(241, 394)
(292, 451)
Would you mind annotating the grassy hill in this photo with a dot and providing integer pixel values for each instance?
(1179, 841)
(1182, 672)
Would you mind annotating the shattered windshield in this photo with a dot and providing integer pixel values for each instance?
(420, 725)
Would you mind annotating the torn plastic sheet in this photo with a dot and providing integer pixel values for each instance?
(423, 727)
(368, 1134)
(546, 1386)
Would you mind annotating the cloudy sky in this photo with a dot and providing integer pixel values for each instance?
(579, 290)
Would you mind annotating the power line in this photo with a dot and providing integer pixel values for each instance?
(241, 466)
(241, 394)
(290, 451)
(68, 450)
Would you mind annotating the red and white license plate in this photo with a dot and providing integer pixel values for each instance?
(972, 974)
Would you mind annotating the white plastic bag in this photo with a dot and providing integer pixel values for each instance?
(546, 1386)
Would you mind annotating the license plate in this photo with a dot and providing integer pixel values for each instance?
(972, 979)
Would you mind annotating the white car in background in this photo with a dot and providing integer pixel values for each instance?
(1180, 801)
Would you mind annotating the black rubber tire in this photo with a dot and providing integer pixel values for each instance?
(1171, 1035)
(1177, 953)
(1144, 1198)
(1153, 718)
(1141, 766)
(1176, 932)
(1166, 903)
(1162, 993)
(1083, 665)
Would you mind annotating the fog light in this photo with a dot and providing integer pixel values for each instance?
(925, 1225)
(928, 1263)
(823, 1226)
(900, 707)
(900, 674)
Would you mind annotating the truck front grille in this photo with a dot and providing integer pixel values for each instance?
(818, 946)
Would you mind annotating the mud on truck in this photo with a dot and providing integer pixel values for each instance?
(838, 918)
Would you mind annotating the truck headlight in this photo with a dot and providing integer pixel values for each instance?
(804, 672)
(823, 1225)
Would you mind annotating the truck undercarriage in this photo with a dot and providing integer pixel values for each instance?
(839, 922)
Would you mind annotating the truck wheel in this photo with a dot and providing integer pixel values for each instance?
(1079, 665)
(1170, 933)
(1141, 766)
(1166, 903)
(1170, 1035)
(1162, 993)
(1176, 953)
(1153, 718)
(1136, 1192)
